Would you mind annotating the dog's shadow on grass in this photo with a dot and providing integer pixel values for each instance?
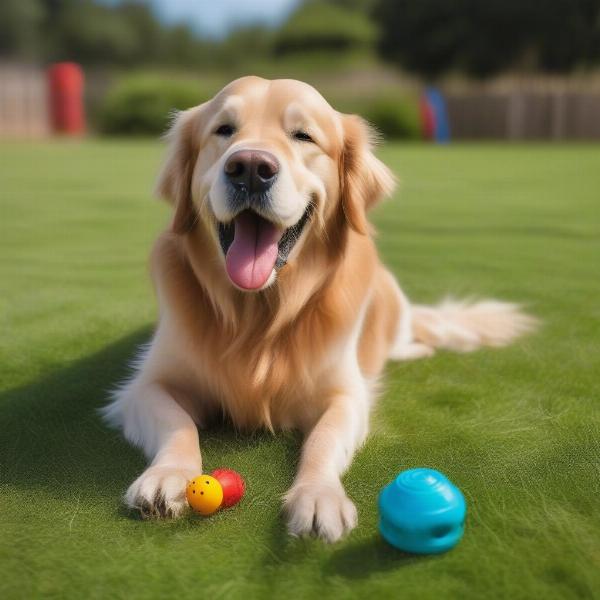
(52, 437)
(365, 557)
(351, 559)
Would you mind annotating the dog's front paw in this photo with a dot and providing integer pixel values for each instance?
(159, 492)
(320, 509)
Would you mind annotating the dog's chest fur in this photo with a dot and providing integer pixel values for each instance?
(260, 376)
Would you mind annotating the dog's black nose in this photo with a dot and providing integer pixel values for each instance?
(252, 170)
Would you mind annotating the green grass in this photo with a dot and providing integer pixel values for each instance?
(517, 429)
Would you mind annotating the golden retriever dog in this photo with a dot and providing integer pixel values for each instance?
(275, 309)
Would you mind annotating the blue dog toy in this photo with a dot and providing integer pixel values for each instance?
(422, 512)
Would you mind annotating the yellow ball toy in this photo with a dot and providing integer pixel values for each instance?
(204, 494)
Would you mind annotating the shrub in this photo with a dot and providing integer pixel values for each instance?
(395, 114)
(143, 105)
(394, 117)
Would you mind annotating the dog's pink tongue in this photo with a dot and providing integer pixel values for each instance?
(253, 252)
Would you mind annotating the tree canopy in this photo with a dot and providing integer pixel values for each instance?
(317, 26)
(432, 37)
(429, 37)
(127, 33)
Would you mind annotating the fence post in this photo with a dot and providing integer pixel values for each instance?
(515, 118)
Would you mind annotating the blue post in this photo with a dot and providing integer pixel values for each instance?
(441, 132)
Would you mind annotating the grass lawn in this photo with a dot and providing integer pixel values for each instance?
(517, 429)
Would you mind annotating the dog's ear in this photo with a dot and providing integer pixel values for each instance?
(364, 178)
(175, 178)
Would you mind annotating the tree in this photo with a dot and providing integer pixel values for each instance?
(432, 37)
(20, 25)
(95, 34)
(325, 26)
(86, 31)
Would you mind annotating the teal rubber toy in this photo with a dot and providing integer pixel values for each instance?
(422, 512)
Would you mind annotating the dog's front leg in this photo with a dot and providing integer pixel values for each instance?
(152, 419)
(317, 503)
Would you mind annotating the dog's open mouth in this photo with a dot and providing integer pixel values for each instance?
(253, 246)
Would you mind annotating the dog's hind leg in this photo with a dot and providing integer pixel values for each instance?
(405, 346)
(411, 351)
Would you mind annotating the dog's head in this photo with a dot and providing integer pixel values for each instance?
(264, 166)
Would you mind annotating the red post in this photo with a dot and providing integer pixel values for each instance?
(427, 118)
(65, 84)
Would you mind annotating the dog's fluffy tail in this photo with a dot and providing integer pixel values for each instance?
(464, 326)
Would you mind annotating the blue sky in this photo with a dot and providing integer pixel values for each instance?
(214, 18)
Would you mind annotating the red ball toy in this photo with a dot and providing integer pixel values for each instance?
(233, 486)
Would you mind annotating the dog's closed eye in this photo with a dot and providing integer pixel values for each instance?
(225, 130)
(302, 136)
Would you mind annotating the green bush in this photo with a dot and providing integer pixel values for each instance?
(143, 105)
(394, 117)
(394, 113)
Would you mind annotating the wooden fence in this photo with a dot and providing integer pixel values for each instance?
(23, 102)
(524, 115)
(512, 110)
